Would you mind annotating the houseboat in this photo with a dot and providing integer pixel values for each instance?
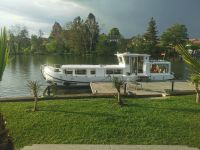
(130, 67)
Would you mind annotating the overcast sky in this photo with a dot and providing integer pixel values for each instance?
(130, 16)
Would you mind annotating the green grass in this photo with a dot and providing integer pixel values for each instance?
(102, 121)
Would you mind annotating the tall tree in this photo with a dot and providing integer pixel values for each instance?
(77, 36)
(34, 43)
(175, 35)
(20, 40)
(92, 29)
(114, 35)
(151, 36)
(56, 41)
(56, 31)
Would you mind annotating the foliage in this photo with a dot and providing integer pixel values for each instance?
(4, 51)
(77, 40)
(176, 34)
(191, 61)
(139, 45)
(56, 42)
(55, 46)
(114, 35)
(92, 32)
(150, 36)
(83, 35)
(5, 140)
(105, 47)
(172, 121)
(34, 88)
(194, 65)
(56, 32)
(38, 43)
(19, 39)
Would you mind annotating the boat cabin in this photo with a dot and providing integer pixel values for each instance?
(142, 66)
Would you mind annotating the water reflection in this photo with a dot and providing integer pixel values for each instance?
(23, 68)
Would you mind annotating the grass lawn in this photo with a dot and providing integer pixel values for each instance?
(101, 121)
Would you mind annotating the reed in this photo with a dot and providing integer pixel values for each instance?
(4, 51)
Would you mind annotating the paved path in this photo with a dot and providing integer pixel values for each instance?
(105, 147)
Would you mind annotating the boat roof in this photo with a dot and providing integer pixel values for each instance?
(91, 66)
(159, 61)
(132, 54)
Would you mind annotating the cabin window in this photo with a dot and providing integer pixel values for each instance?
(56, 70)
(109, 71)
(160, 68)
(57, 66)
(68, 72)
(117, 71)
(92, 72)
(113, 71)
(80, 71)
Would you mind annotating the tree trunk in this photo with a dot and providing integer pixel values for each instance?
(35, 104)
(119, 97)
(198, 97)
(198, 93)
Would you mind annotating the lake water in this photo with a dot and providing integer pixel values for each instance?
(24, 68)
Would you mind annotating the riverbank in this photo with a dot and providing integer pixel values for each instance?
(171, 121)
(106, 90)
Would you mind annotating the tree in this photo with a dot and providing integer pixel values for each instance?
(20, 40)
(105, 47)
(56, 31)
(139, 45)
(118, 83)
(114, 35)
(175, 35)
(78, 41)
(34, 43)
(34, 87)
(92, 32)
(4, 51)
(56, 41)
(151, 36)
(194, 66)
(5, 140)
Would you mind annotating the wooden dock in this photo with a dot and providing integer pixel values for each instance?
(145, 88)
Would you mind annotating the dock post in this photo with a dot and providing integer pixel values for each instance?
(172, 86)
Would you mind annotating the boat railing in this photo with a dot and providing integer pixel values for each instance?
(159, 60)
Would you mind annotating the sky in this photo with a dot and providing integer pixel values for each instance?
(130, 16)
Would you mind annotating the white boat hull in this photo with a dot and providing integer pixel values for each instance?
(131, 67)
(60, 78)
